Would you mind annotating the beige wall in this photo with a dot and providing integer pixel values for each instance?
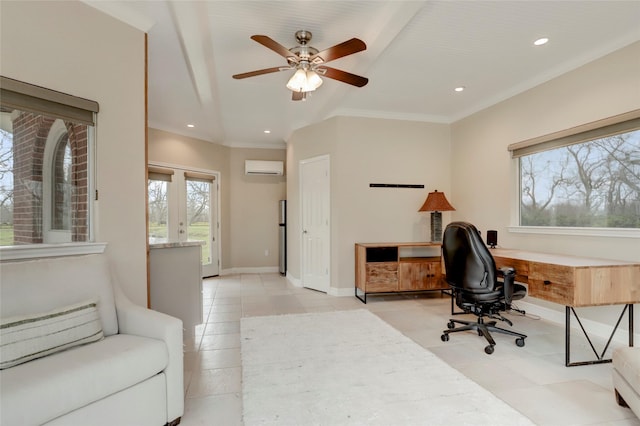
(482, 171)
(72, 48)
(483, 174)
(254, 211)
(248, 204)
(364, 151)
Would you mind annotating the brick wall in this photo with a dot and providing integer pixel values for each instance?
(30, 132)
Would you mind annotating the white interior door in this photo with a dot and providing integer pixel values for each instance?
(315, 221)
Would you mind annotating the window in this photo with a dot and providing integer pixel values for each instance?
(585, 179)
(61, 182)
(158, 202)
(45, 165)
(198, 192)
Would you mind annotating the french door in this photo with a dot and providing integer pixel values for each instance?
(183, 206)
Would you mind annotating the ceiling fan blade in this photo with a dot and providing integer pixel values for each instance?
(297, 96)
(345, 77)
(339, 50)
(258, 72)
(270, 43)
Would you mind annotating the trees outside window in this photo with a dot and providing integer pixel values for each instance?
(589, 184)
(158, 208)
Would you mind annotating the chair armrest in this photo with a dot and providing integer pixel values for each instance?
(139, 321)
(509, 275)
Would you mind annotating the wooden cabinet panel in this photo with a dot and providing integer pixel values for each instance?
(420, 274)
(413, 275)
(521, 267)
(604, 286)
(552, 282)
(382, 276)
(555, 274)
(436, 281)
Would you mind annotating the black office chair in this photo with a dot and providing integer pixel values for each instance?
(471, 273)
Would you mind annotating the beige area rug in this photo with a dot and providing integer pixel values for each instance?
(352, 368)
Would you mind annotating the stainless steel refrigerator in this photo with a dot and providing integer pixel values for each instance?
(282, 235)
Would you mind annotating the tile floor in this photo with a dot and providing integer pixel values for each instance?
(532, 379)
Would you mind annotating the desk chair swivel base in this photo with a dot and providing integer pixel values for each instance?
(483, 329)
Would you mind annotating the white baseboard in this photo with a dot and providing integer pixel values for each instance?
(593, 327)
(250, 270)
(293, 280)
(339, 292)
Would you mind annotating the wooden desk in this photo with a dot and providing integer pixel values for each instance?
(576, 282)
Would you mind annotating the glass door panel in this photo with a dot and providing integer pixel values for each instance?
(198, 196)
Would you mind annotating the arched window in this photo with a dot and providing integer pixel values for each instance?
(57, 194)
(62, 186)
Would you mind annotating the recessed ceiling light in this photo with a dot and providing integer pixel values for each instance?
(267, 131)
(459, 89)
(541, 41)
(191, 125)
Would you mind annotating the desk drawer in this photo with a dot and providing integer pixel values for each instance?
(382, 276)
(521, 267)
(552, 282)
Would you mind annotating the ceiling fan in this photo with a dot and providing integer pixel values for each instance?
(309, 63)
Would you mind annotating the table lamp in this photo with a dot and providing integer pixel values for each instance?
(435, 203)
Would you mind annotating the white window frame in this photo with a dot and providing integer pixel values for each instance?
(53, 236)
(73, 109)
(547, 140)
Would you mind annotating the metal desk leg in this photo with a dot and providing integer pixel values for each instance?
(630, 324)
(599, 357)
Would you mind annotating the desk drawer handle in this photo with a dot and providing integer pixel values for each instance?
(547, 282)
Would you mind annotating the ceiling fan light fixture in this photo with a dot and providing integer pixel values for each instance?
(304, 81)
(297, 81)
(313, 79)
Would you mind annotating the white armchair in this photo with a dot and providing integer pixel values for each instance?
(131, 372)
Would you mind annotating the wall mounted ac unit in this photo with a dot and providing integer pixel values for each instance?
(263, 167)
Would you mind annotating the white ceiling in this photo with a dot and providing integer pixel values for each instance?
(417, 53)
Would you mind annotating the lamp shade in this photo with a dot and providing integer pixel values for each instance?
(436, 202)
(297, 81)
(304, 81)
(313, 80)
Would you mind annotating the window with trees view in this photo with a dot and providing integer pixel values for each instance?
(592, 184)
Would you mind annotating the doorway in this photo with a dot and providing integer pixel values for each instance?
(183, 205)
(315, 217)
